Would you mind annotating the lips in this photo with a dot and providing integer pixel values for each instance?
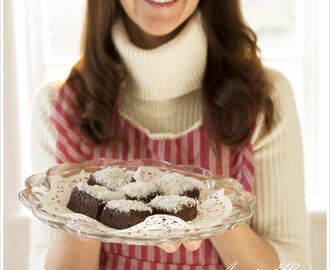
(161, 3)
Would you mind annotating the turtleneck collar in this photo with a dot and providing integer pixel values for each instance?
(168, 71)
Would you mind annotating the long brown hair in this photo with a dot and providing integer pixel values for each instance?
(234, 90)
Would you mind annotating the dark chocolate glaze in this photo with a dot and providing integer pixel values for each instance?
(193, 193)
(122, 220)
(186, 213)
(83, 203)
(146, 199)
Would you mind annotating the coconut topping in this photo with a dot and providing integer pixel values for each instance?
(127, 206)
(139, 189)
(101, 193)
(174, 183)
(172, 203)
(112, 177)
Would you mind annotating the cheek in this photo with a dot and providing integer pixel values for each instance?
(159, 21)
(129, 7)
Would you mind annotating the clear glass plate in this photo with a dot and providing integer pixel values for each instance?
(38, 185)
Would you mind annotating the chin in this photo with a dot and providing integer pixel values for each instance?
(158, 32)
(159, 29)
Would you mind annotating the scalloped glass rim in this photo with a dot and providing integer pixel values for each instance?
(243, 201)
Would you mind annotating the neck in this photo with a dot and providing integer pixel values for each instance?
(143, 40)
(152, 74)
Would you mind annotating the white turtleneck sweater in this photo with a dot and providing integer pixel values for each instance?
(161, 97)
(163, 84)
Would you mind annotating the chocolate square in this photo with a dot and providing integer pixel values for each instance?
(92, 182)
(193, 193)
(186, 213)
(83, 203)
(121, 220)
(146, 199)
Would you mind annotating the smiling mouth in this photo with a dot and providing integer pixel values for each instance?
(161, 1)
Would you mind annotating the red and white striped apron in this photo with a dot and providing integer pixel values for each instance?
(192, 148)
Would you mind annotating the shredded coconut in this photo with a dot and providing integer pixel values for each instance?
(100, 192)
(112, 177)
(203, 189)
(127, 206)
(139, 189)
(172, 203)
(174, 183)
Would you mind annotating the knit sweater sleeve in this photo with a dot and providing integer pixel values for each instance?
(43, 146)
(280, 212)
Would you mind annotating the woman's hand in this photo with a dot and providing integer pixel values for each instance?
(191, 246)
(247, 248)
(71, 252)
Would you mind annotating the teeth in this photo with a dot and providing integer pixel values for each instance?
(162, 1)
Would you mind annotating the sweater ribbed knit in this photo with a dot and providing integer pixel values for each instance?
(161, 97)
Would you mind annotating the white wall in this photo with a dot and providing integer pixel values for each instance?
(15, 230)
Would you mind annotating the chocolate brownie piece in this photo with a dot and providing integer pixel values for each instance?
(83, 203)
(123, 214)
(172, 183)
(90, 200)
(111, 177)
(92, 182)
(140, 191)
(193, 193)
(179, 206)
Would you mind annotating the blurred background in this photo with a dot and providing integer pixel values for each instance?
(41, 43)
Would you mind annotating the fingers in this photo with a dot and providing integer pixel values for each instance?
(248, 196)
(170, 248)
(193, 245)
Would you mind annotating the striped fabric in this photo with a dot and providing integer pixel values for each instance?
(192, 148)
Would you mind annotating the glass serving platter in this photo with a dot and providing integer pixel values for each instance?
(39, 186)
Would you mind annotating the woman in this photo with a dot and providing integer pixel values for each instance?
(182, 81)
